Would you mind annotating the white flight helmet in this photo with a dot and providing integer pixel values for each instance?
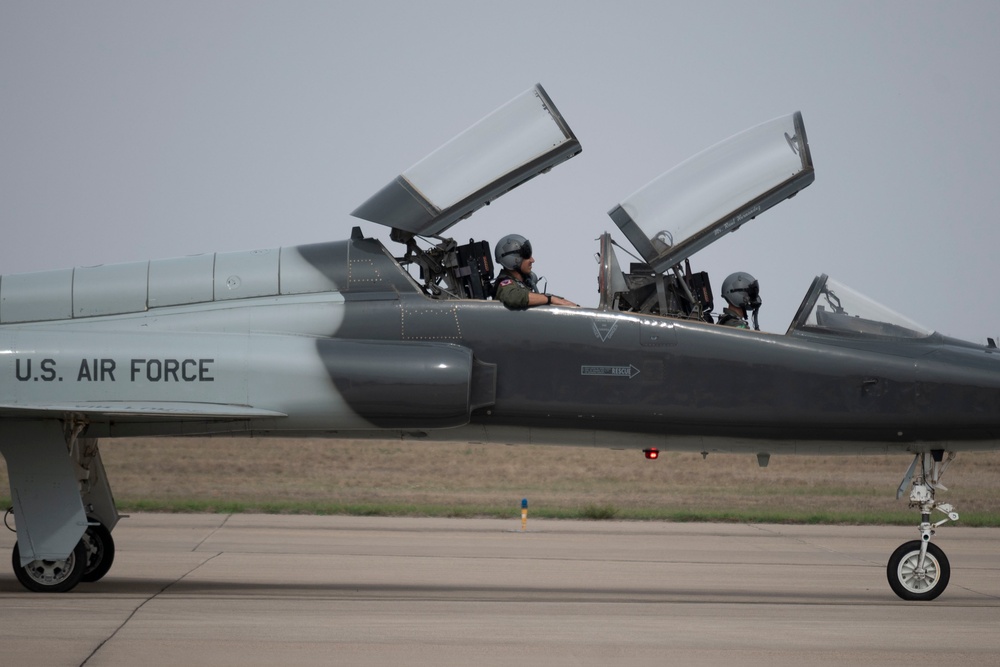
(741, 290)
(511, 250)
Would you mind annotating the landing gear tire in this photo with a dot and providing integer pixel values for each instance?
(51, 576)
(100, 552)
(912, 582)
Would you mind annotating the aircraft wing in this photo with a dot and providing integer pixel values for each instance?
(126, 409)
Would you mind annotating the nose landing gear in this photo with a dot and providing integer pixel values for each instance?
(919, 570)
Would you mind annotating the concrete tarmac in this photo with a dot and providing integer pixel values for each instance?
(266, 590)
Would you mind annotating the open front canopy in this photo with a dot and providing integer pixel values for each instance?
(716, 191)
(515, 143)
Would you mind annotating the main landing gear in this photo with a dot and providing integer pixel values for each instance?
(50, 576)
(90, 561)
(63, 505)
(919, 570)
(100, 552)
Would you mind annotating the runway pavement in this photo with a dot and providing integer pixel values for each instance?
(267, 590)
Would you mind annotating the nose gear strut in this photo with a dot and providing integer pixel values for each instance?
(919, 570)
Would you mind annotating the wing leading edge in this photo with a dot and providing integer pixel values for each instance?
(138, 409)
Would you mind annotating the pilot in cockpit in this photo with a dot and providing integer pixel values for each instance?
(516, 286)
(742, 293)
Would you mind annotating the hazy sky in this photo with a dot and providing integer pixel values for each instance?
(131, 131)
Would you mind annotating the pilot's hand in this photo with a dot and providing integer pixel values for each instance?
(538, 299)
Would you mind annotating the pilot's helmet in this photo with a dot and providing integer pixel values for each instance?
(741, 290)
(511, 250)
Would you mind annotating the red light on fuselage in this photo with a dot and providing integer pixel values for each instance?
(651, 453)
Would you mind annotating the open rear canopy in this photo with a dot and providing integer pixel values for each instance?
(525, 137)
(716, 191)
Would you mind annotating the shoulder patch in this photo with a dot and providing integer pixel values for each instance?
(505, 282)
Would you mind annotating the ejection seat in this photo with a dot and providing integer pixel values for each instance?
(474, 272)
(686, 295)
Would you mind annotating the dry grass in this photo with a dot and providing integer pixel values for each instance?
(441, 478)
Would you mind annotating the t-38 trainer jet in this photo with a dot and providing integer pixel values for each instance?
(346, 339)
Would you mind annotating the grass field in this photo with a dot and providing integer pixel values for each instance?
(446, 479)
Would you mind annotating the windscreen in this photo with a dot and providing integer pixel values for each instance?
(833, 307)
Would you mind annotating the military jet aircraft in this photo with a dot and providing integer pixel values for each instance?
(345, 339)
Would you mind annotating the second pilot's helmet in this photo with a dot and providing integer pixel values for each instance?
(741, 290)
(511, 250)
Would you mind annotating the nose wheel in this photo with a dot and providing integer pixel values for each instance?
(918, 570)
(916, 573)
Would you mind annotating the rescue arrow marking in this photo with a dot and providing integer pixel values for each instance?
(629, 371)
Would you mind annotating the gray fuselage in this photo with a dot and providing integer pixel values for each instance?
(347, 345)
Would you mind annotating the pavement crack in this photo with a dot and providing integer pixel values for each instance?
(152, 597)
(212, 534)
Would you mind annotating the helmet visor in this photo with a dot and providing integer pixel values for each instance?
(751, 298)
(753, 295)
(523, 250)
